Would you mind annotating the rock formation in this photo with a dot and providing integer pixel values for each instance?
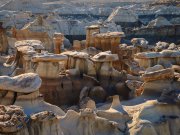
(39, 29)
(126, 15)
(167, 58)
(105, 84)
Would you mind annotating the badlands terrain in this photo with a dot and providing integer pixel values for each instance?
(89, 67)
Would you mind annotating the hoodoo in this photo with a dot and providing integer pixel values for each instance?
(83, 67)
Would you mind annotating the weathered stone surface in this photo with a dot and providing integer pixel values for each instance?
(115, 113)
(49, 57)
(122, 90)
(158, 75)
(3, 40)
(58, 42)
(126, 15)
(36, 44)
(12, 119)
(25, 83)
(133, 85)
(39, 29)
(160, 46)
(88, 122)
(48, 65)
(76, 54)
(170, 96)
(154, 68)
(166, 58)
(105, 57)
(139, 42)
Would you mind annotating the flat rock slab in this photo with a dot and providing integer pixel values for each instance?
(159, 75)
(163, 54)
(49, 57)
(76, 54)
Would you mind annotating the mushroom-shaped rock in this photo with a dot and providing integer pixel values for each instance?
(46, 61)
(166, 58)
(25, 83)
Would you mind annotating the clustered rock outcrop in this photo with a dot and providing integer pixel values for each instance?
(100, 86)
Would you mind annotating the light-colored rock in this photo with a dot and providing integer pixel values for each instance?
(39, 29)
(87, 122)
(49, 57)
(161, 46)
(153, 117)
(25, 83)
(139, 42)
(122, 15)
(44, 62)
(166, 58)
(115, 113)
(105, 57)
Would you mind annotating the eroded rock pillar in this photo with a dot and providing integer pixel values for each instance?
(58, 42)
(89, 35)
